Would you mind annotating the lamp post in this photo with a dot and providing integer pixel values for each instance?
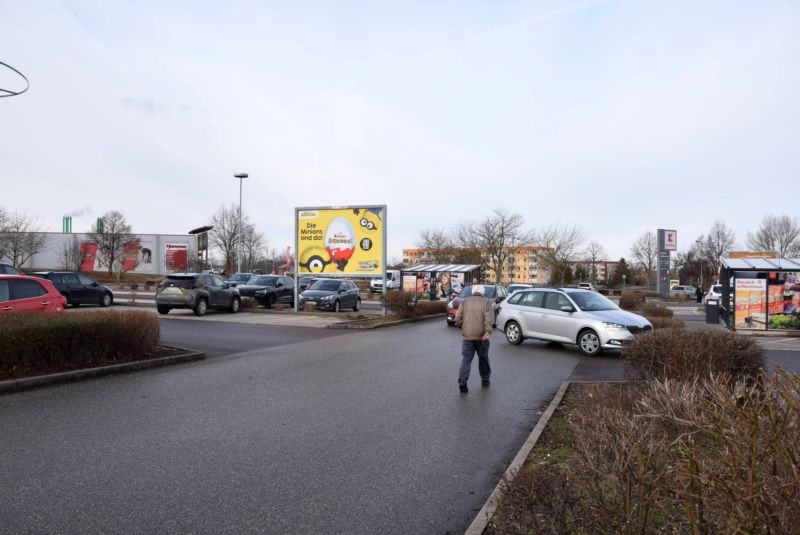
(623, 282)
(240, 176)
(700, 257)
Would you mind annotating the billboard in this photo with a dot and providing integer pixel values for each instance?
(176, 257)
(751, 304)
(348, 241)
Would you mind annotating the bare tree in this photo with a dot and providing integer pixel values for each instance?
(223, 236)
(111, 234)
(73, 255)
(253, 247)
(438, 243)
(594, 252)
(719, 241)
(499, 237)
(780, 234)
(20, 238)
(561, 245)
(645, 254)
(468, 250)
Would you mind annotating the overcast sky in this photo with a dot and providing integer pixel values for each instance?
(620, 116)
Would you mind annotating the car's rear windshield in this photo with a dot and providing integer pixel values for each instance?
(181, 281)
(325, 285)
(262, 280)
(717, 288)
(488, 291)
(591, 301)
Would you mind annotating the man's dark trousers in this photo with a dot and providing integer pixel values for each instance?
(468, 350)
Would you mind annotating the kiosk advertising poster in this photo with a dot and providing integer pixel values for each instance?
(751, 304)
(348, 241)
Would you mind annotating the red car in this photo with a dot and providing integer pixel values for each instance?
(21, 293)
(494, 293)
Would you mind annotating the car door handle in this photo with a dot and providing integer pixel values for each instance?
(8, 308)
(45, 302)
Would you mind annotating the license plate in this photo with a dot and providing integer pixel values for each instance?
(311, 303)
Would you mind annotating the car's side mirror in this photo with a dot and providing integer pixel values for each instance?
(95, 283)
(278, 284)
(567, 308)
(226, 285)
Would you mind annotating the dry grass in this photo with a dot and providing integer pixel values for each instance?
(709, 455)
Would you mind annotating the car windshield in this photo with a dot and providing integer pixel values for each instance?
(717, 288)
(241, 277)
(325, 285)
(591, 301)
(262, 280)
(488, 291)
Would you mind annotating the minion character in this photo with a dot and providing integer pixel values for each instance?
(315, 259)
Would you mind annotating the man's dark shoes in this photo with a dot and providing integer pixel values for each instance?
(485, 383)
(462, 387)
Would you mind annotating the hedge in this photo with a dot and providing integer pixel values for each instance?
(45, 342)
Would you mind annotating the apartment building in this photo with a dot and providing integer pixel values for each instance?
(521, 267)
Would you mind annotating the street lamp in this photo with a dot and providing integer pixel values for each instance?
(700, 258)
(240, 176)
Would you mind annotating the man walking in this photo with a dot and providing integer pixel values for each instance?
(475, 317)
(698, 293)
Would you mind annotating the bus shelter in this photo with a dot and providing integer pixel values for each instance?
(760, 294)
(439, 277)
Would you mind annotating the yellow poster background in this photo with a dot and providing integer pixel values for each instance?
(341, 241)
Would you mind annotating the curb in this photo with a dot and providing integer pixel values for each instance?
(478, 525)
(27, 383)
(357, 324)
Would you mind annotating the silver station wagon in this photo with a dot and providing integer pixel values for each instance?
(571, 316)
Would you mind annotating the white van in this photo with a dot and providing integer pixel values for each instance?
(393, 282)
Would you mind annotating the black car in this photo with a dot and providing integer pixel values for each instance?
(198, 291)
(305, 282)
(332, 294)
(77, 288)
(269, 289)
(8, 269)
(238, 279)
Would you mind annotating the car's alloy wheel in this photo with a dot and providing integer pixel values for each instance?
(200, 307)
(105, 301)
(162, 309)
(513, 333)
(234, 305)
(589, 343)
(336, 306)
(357, 306)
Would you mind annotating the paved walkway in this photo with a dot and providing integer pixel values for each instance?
(243, 317)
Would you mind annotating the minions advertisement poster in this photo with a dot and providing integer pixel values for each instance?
(341, 241)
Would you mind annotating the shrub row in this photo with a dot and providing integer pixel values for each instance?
(687, 355)
(405, 305)
(665, 457)
(660, 322)
(39, 343)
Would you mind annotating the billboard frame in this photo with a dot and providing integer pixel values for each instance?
(297, 273)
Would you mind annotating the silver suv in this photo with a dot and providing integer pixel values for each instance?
(198, 291)
(571, 316)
